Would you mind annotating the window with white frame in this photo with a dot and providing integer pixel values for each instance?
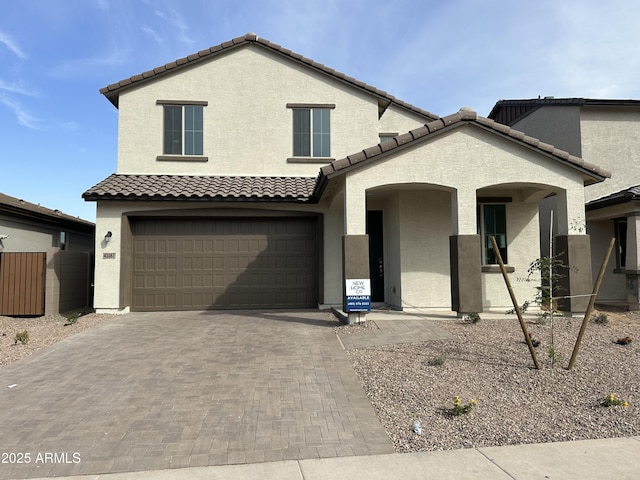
(492, 219)
(311, 130)
(183, 128)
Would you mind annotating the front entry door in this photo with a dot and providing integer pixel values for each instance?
(376, 261)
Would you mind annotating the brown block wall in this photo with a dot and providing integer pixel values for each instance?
(466, 273)
(574, 251)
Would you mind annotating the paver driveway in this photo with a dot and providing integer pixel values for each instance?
(161, 390)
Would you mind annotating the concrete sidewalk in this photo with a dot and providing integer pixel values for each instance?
(617, 458)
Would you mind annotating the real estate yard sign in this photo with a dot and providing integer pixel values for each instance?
(358, 294)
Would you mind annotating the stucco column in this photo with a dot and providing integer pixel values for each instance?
(574, 251)
(569, 212)
(355, 210)
(466, 274)
(464, 253)
(464, 212)
(632, 261)
(355, 243)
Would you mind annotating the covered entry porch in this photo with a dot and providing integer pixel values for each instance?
(418, 212)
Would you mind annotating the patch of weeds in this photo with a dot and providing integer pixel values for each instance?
(22, 337)
(473, 317)
(601, 319)
(611, 401)
(435, 361)
(624, 340)
(460, 409)
(72, 318)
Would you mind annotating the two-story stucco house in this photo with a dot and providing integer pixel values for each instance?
(606, 133)
(251, 177)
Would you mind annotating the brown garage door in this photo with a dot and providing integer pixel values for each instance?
(194, 264)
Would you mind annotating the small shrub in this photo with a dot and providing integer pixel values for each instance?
(534, 341)
(611, 401)
(473, 317)
(22, 337)
(624, 340)
(601, 319)
(73, 318)
(459, 409)
(435, 361)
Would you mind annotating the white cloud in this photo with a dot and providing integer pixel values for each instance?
(13, 88)
(83, 66)
(23, 116)
(103, 5)
(174, 17)
(8, 42)
(153, 34)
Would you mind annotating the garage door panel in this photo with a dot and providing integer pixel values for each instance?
(183, 264)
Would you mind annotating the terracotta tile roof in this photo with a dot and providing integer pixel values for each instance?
(113, 90)
(510, 111)
(202, 188)
(631, 194)
(20, 207)
(592, 173)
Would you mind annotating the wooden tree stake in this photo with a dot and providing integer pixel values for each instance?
(527, 338)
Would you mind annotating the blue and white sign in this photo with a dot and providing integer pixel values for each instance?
(358, 293)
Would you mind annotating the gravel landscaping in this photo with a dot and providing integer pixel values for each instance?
(487, 361)
(490, 363)
(43, 331)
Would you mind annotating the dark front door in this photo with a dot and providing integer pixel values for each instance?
(376, 261)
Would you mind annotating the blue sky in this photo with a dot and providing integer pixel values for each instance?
(59, 134)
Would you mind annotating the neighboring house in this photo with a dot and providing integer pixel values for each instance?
(251, 177)
(605, 133)
(62, 243)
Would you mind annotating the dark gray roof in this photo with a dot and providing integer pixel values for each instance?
(113, 90)
(509, 111)
(202, 188)
(21, 208)
(592, 173)
(631, 194)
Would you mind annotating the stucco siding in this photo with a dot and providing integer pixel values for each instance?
(398, 120)
(31, 237)
(611, 140)
(425, 227)
(247, 125)
(559, 126)
(469, 159)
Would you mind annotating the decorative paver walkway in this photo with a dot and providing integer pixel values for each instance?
(164, 390)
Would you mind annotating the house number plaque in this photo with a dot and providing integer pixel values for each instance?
(109, 256)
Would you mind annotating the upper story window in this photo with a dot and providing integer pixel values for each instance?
(492, 221)
(183, 127)
(311, 130)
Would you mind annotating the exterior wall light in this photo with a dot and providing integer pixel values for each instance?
(107, 237)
